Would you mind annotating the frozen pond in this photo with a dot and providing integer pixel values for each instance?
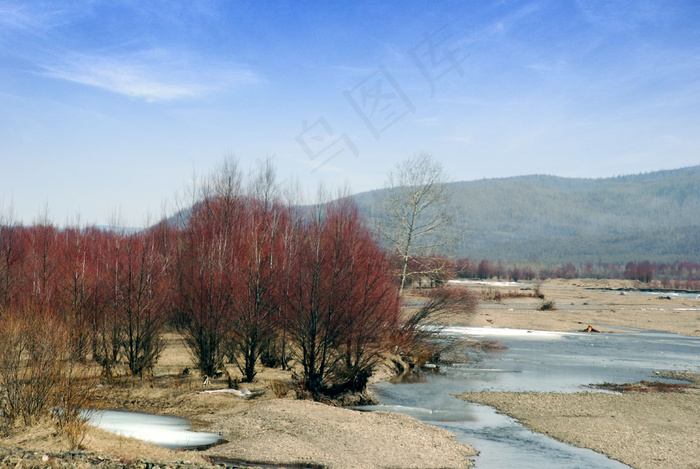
(170, 432)
(534, 361)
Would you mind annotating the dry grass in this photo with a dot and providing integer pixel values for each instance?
(643, 386)
(280, 388)
(42, 437)
(166, 392)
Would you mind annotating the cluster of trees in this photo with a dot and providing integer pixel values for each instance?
(245, 275)
(255, 276)
(108, 288)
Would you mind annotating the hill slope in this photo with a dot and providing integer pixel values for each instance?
(653, 216)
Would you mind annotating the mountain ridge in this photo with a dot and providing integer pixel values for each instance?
(622, 218)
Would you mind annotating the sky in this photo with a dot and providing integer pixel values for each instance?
(110, 109)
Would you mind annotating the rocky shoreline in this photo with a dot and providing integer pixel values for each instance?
(20, 458)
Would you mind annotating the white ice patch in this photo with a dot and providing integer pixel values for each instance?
(503, 332)
(490, 284)
(170, 432)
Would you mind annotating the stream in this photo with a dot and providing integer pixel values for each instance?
(535, 361)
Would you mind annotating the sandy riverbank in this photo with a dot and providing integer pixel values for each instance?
(581, 302)
(265, 429)
(288, 431)
(642, 430)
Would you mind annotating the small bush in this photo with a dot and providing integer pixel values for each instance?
(280, 388)
(37, 375)
(548, 305)
(492, 294)
(30, 365)
(75, 402)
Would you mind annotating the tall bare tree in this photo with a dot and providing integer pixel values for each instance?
(416, 221)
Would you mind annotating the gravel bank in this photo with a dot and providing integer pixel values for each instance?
(642, 430)
(288, 431)
(18, 458)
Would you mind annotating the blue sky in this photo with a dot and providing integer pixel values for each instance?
(109, 107)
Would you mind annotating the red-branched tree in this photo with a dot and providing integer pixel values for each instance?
(75, 289)
(41, 266)
(341, 299)
(11, 255)
(141, 282)
(259, 258)
(205, 269)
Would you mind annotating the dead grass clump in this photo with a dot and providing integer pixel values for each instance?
(76, 401)
(488, 345)
(643, 386)
(495, 295)
(280, 388)
(548, 305)
(492, 294)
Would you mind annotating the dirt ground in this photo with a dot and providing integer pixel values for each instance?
(304, 432)
(583, 302)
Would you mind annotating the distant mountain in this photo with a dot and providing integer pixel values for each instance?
(652, 216)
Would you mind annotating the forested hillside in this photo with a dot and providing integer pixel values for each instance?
(653, 216)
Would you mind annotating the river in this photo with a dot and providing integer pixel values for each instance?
(533, 361)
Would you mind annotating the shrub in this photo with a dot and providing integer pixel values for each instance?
(75, 402)
(37, 376)
(548, 305)
(280, 388)
(30, 365)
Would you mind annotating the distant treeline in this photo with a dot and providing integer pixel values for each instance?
(676, 275)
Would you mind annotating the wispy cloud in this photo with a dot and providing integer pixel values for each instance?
(129, 66)
(621, 15)
(152, 75)
(17, 17)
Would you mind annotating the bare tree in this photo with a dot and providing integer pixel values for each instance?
(205, 266)
(416, 220)
(11, 255)
(258, 261)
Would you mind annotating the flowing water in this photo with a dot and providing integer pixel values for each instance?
(533, 361)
